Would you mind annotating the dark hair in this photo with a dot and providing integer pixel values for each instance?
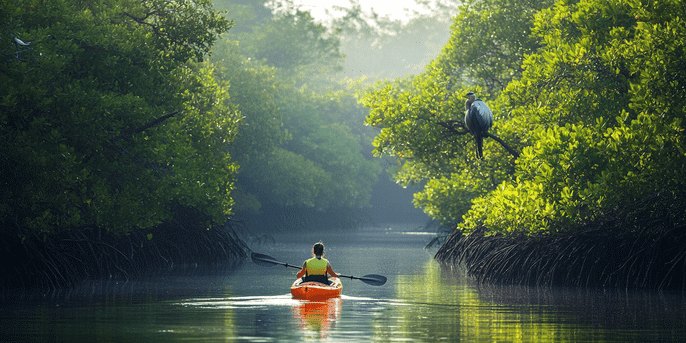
(318, 249)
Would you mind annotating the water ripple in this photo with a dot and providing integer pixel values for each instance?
(240, 302)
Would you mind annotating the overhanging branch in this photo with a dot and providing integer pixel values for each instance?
(453, 125)
(507, 147)
(126, 134)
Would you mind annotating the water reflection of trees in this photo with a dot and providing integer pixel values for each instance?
(436, 307)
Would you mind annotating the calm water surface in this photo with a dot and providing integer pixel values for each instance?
(421, 302)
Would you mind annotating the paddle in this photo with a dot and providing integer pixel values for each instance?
(268, 261)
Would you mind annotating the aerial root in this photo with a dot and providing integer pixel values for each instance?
(640, 245)
(592, 258)
(70, 257)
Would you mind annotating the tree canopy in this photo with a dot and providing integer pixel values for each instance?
(109, 116)
(302, 140)
(593, 98)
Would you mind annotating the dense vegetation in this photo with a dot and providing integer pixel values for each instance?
(114, 129)
(109, 114)
(128, 125)
(302, 146)
(590, 94)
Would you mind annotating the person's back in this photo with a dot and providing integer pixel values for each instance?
(317, 269)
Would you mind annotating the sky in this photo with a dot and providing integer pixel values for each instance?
(396, 9)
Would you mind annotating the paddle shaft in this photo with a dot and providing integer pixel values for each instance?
(265, 260)
(289, 265)
(339, 275)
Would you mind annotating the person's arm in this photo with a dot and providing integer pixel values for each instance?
(302, 271)
(330, 270)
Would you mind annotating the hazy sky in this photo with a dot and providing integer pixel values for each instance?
(396, 9)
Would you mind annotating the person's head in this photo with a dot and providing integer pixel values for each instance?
(318, 249)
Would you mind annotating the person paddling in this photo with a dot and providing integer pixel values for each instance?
(317, 268)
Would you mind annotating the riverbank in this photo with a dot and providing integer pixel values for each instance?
(594, 257)
(641, 245)
(419, 303)
(66, 259)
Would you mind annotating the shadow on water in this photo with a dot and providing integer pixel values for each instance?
(180, 281)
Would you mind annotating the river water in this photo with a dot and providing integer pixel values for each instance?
(421, 302)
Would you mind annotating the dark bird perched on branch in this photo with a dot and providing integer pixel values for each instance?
(478, 119)
(470, 124)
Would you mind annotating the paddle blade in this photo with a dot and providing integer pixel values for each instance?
(268, 261)
(264, 260)
(371, 279)
(374, 279)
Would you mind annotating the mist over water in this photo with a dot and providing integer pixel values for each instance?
(393, 204)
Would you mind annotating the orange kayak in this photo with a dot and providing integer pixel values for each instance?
(316, 290)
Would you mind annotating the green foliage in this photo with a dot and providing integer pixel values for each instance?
(300, 142)
(377, 47)
(327, 128)
(320, 164)
(79, 107)
(255, 89)
(594, 101)
(293, 41)
(337, 150)
(489, 40)
(290, 179)
(409, 112)
(611, 73)
(486, 48)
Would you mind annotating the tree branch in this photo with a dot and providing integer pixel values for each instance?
(507, 147)
(452, 125)
(142, 20)
(126, 134)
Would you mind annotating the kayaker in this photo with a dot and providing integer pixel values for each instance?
(317, 268)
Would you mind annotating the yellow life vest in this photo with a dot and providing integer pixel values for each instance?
(316, 266)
